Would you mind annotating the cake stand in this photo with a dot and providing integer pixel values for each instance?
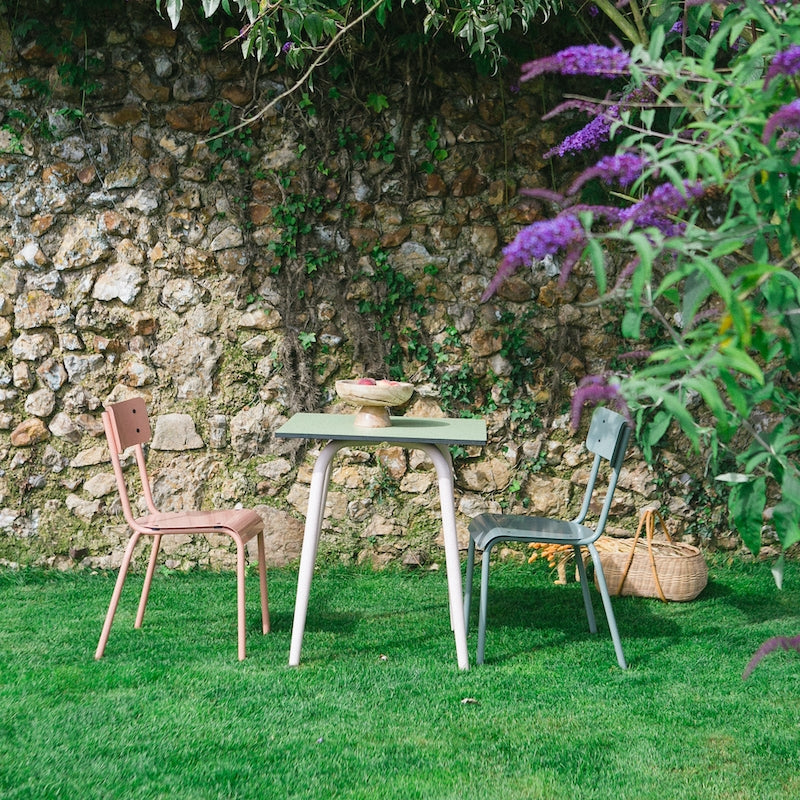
(374, 400)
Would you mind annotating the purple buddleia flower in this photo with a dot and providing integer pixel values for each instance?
(784, 63)
(787, 116)
(677, 27)
(544, 194)
(787, 138)
(598, 131)
(575, 104)
(623, 169)
(543, 238)
(287, 46)
(590, 59)
(590, 137)
(593, 390)
(784, 642)
(536, 241)
(656, 209)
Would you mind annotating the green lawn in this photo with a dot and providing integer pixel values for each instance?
(378, 707)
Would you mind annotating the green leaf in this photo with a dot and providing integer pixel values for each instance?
(735, 393)
(697, 44)
(631, 324)
(739, 361)
(777, 570)
(695, 293)
(658, 427)
(726, 247)
(381, 12)
(786, 515)
(707, 389)
(312, 23)
(746, 503)
(734, 477)
(656, 43)
(678, 410)
(598, 260)
(377, 102)
(174, 8)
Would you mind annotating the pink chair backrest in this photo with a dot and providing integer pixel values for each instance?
(130, 423)
(127, 424)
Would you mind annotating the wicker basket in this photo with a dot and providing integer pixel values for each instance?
(664, 569)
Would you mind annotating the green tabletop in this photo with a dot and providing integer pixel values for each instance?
(445, 431)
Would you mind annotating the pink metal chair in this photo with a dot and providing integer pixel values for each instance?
(127, 425)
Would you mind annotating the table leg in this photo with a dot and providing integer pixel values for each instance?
(316, 511)
(440, 456)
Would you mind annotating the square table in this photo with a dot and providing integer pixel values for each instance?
(433, 436)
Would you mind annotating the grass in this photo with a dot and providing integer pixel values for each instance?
(378, 708)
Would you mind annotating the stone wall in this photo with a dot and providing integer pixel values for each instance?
(138, 257)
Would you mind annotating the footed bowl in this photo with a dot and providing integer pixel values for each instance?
(374, 400)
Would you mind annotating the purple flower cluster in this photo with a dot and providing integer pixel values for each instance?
(786, 118)
(656, 209)
(590, 59)
(574, 104)
(589, 137)
(786, 62)
(536, 241)
(593, 390)
(544, 238)
(598, 131)
(624, 168)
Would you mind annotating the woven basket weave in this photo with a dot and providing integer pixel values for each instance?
(664, 569)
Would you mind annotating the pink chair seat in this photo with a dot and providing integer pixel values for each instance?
(242, 520)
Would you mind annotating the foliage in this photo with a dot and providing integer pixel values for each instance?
(76, 68)
(434, 144)
(301, 29)
(705, 215)
(228, 141)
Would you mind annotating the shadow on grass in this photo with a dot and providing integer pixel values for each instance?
(536, 616)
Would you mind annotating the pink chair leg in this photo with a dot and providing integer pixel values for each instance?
(148, 578)
(262, 580)
(112, 607)
(240, 600)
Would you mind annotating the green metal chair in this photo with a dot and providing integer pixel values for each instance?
(607, 439)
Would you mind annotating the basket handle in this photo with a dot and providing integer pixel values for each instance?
(648, 522)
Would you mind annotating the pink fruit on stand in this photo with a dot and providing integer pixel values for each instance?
(366, 382)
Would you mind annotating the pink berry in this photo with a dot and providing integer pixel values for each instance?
(366, 381)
